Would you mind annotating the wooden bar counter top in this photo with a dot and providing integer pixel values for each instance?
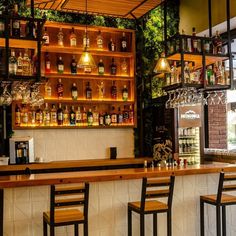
(109, 175)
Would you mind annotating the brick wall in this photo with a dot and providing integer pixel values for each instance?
(217, 121)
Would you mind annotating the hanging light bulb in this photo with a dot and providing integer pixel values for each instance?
(162, 65)
(86, 59)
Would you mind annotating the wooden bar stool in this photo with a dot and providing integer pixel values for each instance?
(219, 200)
(152, 189)
(65, 208)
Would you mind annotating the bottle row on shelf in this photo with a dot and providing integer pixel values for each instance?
(216, 74)
(88, 93)
(195, 44)
(75, 35)
(102, 68)
(58, 116)
(183, 132)
(188, 146)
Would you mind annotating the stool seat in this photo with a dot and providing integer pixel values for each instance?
(65, 216)
(150, 206)
(225, 199)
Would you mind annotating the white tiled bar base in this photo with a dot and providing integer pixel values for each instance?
(24, 207)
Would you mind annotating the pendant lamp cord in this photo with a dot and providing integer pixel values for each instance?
(86, 22)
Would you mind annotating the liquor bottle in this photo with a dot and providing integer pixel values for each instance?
(217, 73)
(60, 38)
(33, 116)
(73, 40)
(74, 92)
(101, 90)
(113, 67)
(123, 43)
(194, 74)
(206, 45)
(84, 116)
(217, 44)
(124, 67)
(113, 90)
(131, 115)
(46, 38)
(125, 93)
(53, 115)
(120, 116)
(221, 73)
(15, 23)
(101, 68)
(12, 63)
(17, 115)
(39, 116)
(60, 65)
(20, 64)
(60, 89)
(59, 115)
(194, 41)
(2, 25)
(66, 116)
(90, 118)
(101, 119)
(47, 63)
(73, 66)
(184, 42)
(46, 115)
(30, 29)
(78, 117)
(24, 114)
(72, 116)
(125, 115)
(174, 75)
(88, 91)
(210, 76)
(111, 46)
(26, 64)
(186, 72)
(99, 40)
(113, 116)
(48, 89)
(107, 119)
(95, 116)
(86, 41)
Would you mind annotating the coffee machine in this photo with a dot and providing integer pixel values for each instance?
(21, 150)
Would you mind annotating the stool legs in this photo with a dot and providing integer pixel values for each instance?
(155, 224)
(76, 229)
(52, 231)
(218, 221)
(45, 230)
(86, 228)
(202, 217)
(169, 233)
(129, 222)
(142, 229)
(224, 220)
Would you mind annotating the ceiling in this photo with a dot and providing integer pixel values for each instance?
(130, 9)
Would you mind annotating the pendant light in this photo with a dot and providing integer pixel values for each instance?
(86, 59)
(162, 65)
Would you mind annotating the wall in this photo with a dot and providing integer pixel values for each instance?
(23, 209)
(78, 144)
(195, 14)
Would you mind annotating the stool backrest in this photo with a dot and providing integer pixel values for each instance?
(227, 183)
(69, 196)
(153, 188)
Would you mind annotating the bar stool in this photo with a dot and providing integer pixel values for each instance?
(219, 200)
(65, 208)
(152, 189)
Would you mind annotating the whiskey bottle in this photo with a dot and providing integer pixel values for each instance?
(113, 116)
(48, 89)
(53, 115)
(90, 118)
(101, 90)
(32, 116)
(107, 119)
(72, 116)
(26, 64)
(101, 68)
(47, 63)
(24, 114)
(20, 64)
(131, 115)
(99, 40)
(86, 41)
(60, 89)
(46, 38)
(46, 115)
(60, 65)
(120, 116)
(123, 43)
(113, 67)
(12, 63)
(194, 41)
(15, 23)
(73, 40)
(124, 67)
(84, 116)
(101, 119)
(60, 38)
(78, 116)
(217, 43)
(74, 92)
(95, 116)
(113, 90)
(206, 45)
(73, 66)
(111, 46)
(39, 116)
(125, 93)
(125, 115)
(88, 91)
(66, 116)
(17, 115)
(59, 115)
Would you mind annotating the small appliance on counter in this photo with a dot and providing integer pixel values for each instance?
(21, 150)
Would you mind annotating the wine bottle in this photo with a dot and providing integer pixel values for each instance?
(125, 93)
(73, 40)
(88, 91)
(101, 68)
(15, 23)
(111, 46)
(72, 116)
(90, 118)
(74, 92)
(46, 38)
(59, 115)
(113, 90)
(123, 43)
(73, 66)
(113, 67)
(60, 65)
(53, 115)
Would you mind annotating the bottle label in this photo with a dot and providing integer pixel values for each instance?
(47, 117)
(16, 24)
(12, 68)
(78, 117)
(87, 69)
(48, 65)
(124, 44)
(53, 117)
(90, 119)
(39, 118)
(74, 94)
(101, 120)
(89, 95)
(114, 118)
(73, 42)
(120, 118)
(125, 95)
(101, 70)
(61, 68)
(107, 120)
(46, 39)
(60, 116)
(207, 47)
(100, 43)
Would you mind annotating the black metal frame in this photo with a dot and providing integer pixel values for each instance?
(68, 203)
(142, 212)
(218, 204)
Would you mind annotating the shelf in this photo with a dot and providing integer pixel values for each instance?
(74, 127)
(79, 50)
(89, 76)
(26, 78)
(182, 85)
(216, 87)
(187, 136)
(20, 43)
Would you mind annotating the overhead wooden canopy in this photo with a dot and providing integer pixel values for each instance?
(117, 8)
